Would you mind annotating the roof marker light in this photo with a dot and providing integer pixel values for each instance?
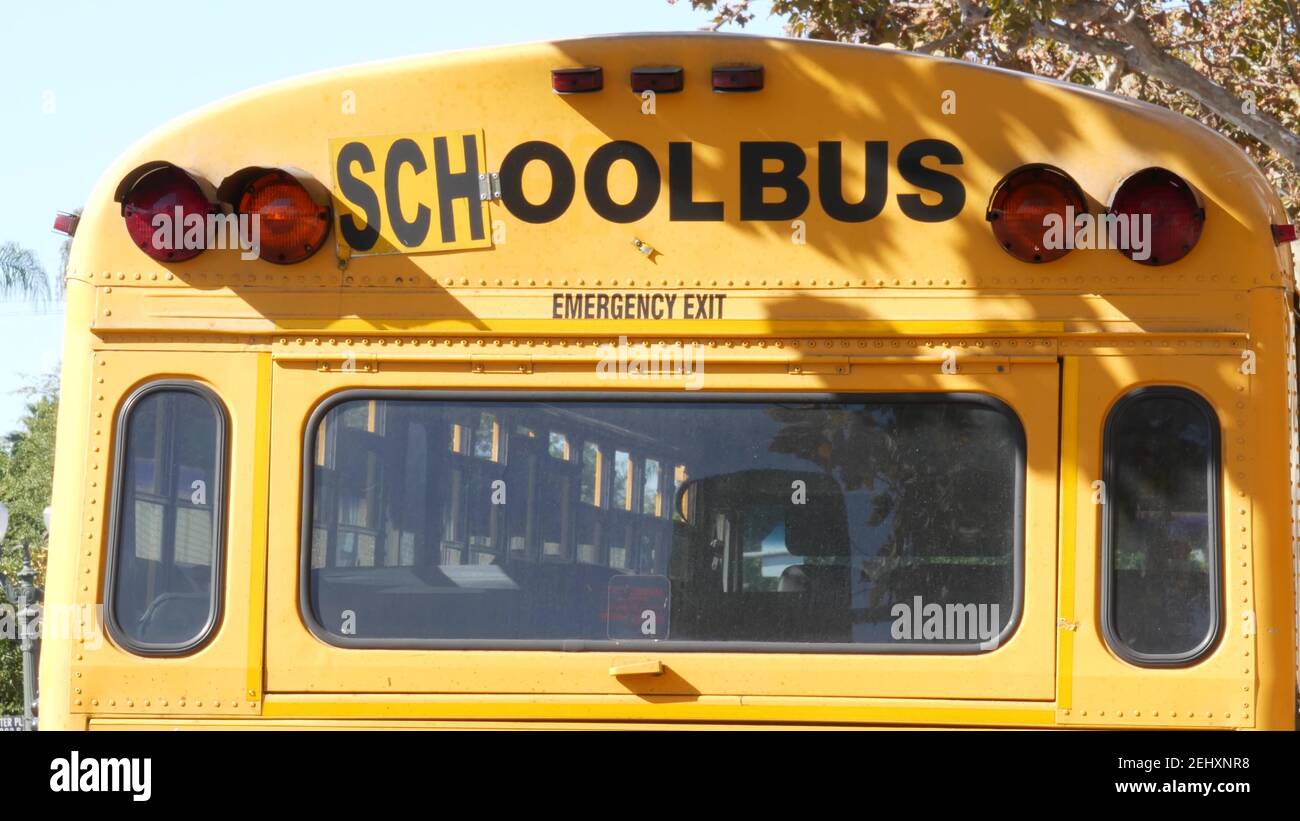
(737, 78)
(659, 79)
(1282, 234)
(66, 223)
(577, 80)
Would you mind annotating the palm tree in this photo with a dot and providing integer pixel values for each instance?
(21, 274)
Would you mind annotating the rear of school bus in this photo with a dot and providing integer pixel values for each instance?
(605, 408)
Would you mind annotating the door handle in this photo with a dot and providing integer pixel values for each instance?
(638, 668)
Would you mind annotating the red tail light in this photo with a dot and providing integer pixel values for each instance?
(1283, 234)
(156, 208)
(290, 224)
(659, 79)
(1176, 216)
(737, 78)
(1022, 207)
(577, 80)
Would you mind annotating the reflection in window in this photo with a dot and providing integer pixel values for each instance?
(592, 470)
(621, 491)
(1162, 535)
(800, 522)
(168, 510)
(651, 496)
(559, 446)
(487, 438)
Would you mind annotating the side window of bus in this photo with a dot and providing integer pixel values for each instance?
(166, 537)
(1160, 544)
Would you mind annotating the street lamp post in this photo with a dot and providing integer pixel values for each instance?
(27, 596)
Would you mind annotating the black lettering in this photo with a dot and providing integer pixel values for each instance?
(360, 194)
(595, 181)
(682, 206)
(830, 182)
(512, 182)
(602, 306)
(557, 305)
(405, 152)
(572, 305)
(462, 185)
(722, 301)
(754, 181)
(670, 299)
(587, 301)
(643, 305)
(951, 190)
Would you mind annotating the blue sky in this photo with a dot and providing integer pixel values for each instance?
(83, 80)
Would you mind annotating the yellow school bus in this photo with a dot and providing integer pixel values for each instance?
(677, 380)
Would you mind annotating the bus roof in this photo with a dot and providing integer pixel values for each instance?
(700, 193)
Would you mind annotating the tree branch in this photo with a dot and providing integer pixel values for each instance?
(1141, 54)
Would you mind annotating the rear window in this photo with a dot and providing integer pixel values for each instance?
(165, 555)
(1161, 545)
(872, 523)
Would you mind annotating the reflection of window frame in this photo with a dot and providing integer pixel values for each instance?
(216, 492)
(1214, 496)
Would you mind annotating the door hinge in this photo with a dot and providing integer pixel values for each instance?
(489, 186)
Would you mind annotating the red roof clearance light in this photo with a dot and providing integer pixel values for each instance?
(737, 78)
(1176, 215)
(659, 79)
(66, 223)
(577, 80)
(1021, 206)
(291, 225)
(168, 191)
(1282, 234)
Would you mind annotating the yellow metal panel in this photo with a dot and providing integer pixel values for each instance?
(213, 678)
(257, 538)
(1217, 690)
(1066, 623)
(1022, 668)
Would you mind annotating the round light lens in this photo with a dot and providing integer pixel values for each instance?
(1022, 206)
(157, 208)
(291, 226)
(1160, 205)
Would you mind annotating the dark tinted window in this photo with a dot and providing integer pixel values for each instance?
(888, 521)
(1162, 541)
(167, 518)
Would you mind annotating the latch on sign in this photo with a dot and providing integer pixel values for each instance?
(819, 365)
(489, 187)
(349, 364)
(501, 364)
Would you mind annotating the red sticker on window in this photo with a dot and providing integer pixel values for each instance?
(638, 607)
